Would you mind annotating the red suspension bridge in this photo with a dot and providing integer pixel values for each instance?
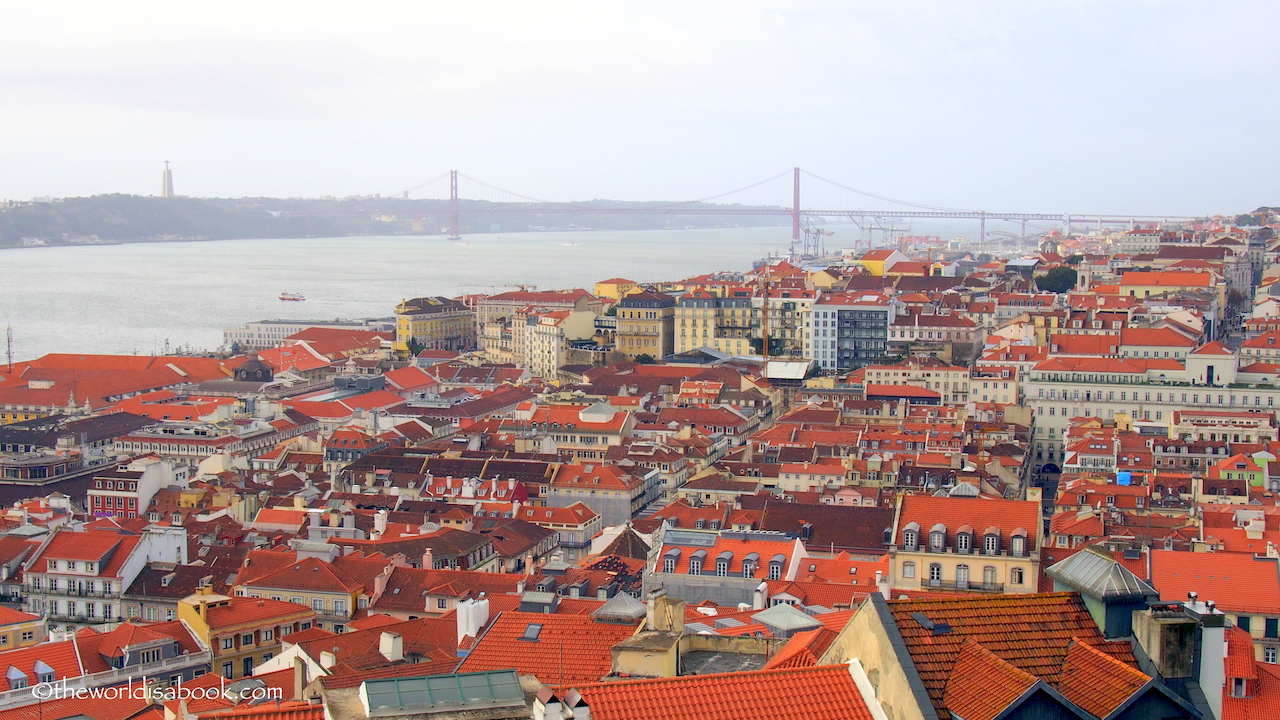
(512, 203)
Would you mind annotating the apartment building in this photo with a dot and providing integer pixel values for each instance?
(77, 578)
(242, 632)
(434, 323)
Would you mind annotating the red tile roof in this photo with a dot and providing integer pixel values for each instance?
(1096, 681)
(979, 513)
(60, 656)
(242, 611)
(982, 685)
(802, 650)
(1032, 632)
(569, 649)
(1215, 576)
(825, 692)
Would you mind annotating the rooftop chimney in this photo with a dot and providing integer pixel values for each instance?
(391, 645)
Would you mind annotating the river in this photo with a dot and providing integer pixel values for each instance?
(135, 298)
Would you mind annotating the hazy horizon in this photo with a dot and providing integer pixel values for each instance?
(1087, 107)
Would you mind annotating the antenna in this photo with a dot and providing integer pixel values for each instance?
(9, 342)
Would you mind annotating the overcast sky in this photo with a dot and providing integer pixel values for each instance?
(1109, 106)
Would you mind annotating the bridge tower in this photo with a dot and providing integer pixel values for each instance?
(795, 207)
(453, 206)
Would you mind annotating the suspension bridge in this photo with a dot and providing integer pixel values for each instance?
(499, 201)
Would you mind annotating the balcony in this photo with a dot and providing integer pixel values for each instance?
(73, 592)
(964, 586)
(115, 676)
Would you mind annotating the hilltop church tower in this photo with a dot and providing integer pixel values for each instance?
(166, 181)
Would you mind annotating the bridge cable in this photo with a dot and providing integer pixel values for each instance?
(882, 197)
(429, 182)
(782, 174)
(501, 190)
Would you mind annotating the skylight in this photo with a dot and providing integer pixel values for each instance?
(532, 632)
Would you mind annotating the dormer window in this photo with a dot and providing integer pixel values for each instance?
(1018, 544)
(991, 544)
(964, 542)
(911, 537)
(938, 538)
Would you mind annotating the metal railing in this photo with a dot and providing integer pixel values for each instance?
(108, 678)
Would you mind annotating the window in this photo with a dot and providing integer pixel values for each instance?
(228, 643)
(695, 566)
(1269, 655)
(1015, 576)
(246, 640)
(1237, 687)
(442, 603)
(339, 607)
(909, 539)
(775, 571)
(962, 576)
(149, 656)
(268, 635)
(669, 565)
(935, 574)
(908, 569)
(991, 544)
(28, 636)
(228, 670)
(317, 604)
(964, 541)
(1242, 622)
(989, 578)
(722, 568)
(1272, 628)
(1019, 545)
(937, 539)
(151, 614)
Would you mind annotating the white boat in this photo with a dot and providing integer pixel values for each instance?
(295, 297)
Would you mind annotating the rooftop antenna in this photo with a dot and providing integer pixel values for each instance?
(9, 343)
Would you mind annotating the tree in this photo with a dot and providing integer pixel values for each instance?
(1074, 260)
(645, 359)
(1058, 280)
(612, 311)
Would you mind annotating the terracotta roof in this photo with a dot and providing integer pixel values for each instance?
(825, 692)
(567, 649)
(248, 611)
(1096, 681)
(1032, 632)
(60, 656)
(802, 650)
(10, 616)
(979, 513)
(1215, 576)
(1155, 337)
(1167, 279)
(309, 574)
(982, 685)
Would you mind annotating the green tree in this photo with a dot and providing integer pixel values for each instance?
(1074, 260)
(645, 359)
(1058, 280)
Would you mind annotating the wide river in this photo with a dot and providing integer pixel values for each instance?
(135, 298)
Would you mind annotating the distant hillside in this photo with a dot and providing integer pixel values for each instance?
(134, 218)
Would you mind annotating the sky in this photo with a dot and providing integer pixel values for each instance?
(1056, 106)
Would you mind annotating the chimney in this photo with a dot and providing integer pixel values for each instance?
(883, 586)
(428, 560)
(299, 678)
(297, 502)
(380, 522)
(328, 659)
(391, 645)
